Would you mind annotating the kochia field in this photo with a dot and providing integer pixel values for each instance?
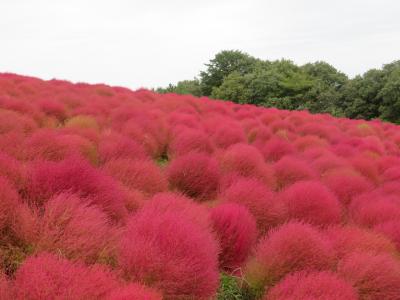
(108, 193)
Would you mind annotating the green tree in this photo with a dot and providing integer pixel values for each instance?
(190, 87)
(223, 64)
(390, 94)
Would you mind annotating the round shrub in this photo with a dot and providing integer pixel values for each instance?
(391, 174)
(76, 176)
(171, 202)
(142, 175)
(258, 199)
(236, 230)
(292, 247)
(245, 160)
(312, 285)
(375, 276)
(5, 288)
(12, 169)
(165, 249)
(9, 201)
(189, 140)
(113, 146)
(390, 229)
(48, 144)
(134, 291)
(226, 136)
(289, 170)
(311, 202)
(72, 228)
(346, 239)
(346, 184)
(369, 209)
(46, 276)
(194, 174)
(276, 148)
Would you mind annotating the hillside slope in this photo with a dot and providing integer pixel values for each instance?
(108, 193)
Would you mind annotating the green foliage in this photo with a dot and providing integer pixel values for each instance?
(185, 87)
(390, 93)
(232, 288)
(318, 87)
(223, 64)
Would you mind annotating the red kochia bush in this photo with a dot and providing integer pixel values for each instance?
(374, 276)
(171, 253)
(134, 291)
(142, 175)
(194, 174)
(245, 160)
(167, 202)
(228, 135)
(113, 145)
(346, 184)
(50, 145)
(312, 286)
(276, 148)
(72, 228)
(350, 238)
(289, 170)
(258, 199)
(391, 229)
(292, 247)
(5, 288)
(76, 176)
(370, 209)
(312, 202)
(189, 140)
(46, 276)
(9, 200)
(237, 232)
(12, 169)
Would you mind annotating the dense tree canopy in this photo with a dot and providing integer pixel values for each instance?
(317, 87)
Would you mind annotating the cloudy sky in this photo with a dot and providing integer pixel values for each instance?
(153, 42)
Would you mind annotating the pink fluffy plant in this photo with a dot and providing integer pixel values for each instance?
(75, 175)
(289, 170)
(171, 202)
(276, 148)
(347, 239)
(170, 252)
(72, 228)
(142, 175)
(5, 287)
(134, 291)
(375, 276)
(196, 175)
(311, 202)
(236, 230)
(46, 276)
(371, 209)
(9, 201)
(48, 144)
(12, 169)
(189, 140)
(113, 146)
(346, 184)
(292, 247)
(258, 199)
(390, 229)
(247, 161)
(228, 135)
(312, 285)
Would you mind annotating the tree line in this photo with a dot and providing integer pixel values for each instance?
(317, 87)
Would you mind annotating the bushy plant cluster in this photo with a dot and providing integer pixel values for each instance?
(107, 193)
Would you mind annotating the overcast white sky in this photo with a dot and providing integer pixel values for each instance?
(153, 42)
